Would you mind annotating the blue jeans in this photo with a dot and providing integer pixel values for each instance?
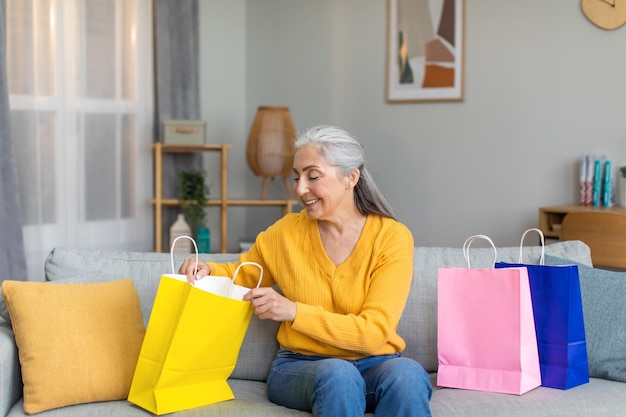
(388, 385)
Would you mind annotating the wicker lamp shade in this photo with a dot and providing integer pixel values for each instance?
(271, 145)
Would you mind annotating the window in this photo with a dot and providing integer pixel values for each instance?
(80, 91)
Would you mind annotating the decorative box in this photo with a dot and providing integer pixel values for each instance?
(184, 132)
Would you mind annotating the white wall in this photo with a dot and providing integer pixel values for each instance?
(542, 86)
(223, 98)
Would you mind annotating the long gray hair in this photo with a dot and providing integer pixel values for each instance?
(341, 150)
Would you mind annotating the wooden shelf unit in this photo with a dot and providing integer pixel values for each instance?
(550, 218)
(223, 201)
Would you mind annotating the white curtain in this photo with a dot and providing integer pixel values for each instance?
(12, 259)
(80, 91)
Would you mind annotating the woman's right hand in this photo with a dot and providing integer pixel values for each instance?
(188, 268)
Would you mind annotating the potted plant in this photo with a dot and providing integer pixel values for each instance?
(192, 195)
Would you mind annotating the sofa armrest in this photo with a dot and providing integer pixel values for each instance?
(10, 374)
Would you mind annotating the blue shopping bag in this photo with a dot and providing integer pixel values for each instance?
(559, 321)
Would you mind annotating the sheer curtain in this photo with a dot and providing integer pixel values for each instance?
(12, 261)
(80, 90)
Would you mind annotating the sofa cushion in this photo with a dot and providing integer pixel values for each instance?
(4, 311)
(145, 268)
(77, 343)
(604, 311)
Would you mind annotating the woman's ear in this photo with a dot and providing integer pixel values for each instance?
(353, 178)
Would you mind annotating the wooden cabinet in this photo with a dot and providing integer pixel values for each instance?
(550, 218)
(223, 201)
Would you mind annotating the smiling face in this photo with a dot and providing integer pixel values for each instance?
(324, 192)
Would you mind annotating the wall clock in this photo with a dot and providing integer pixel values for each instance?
(607, 14)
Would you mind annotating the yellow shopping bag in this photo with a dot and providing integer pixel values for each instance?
(191, 343)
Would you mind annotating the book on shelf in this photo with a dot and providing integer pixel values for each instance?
(596, 181)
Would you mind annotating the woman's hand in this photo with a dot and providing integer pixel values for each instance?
(268, 304)
(189, 268)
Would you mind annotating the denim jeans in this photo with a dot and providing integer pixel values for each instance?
(387, 385)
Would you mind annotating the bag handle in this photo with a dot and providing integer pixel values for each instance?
(172, 251)
(543, 245)
(469, 241)
(232, 281)
(258, 284)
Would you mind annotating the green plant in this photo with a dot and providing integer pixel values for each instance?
(192, 194)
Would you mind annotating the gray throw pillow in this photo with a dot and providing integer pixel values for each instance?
(603, 293)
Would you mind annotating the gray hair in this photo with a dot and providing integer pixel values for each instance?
(341, 150)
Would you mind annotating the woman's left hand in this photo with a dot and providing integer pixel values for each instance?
(269, 304)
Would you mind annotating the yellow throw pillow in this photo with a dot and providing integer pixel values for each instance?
(77, 343)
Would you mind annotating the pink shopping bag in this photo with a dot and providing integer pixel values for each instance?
(486, 330)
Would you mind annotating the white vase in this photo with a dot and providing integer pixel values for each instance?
(180, 228)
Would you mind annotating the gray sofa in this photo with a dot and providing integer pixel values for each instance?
(600, 397)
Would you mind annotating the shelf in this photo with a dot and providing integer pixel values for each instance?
(165, 148)
(172, 202)
(550, 218)
(223, 202)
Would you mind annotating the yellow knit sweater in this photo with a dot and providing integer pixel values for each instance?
(347, 311)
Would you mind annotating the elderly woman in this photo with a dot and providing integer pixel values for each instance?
(344, 267)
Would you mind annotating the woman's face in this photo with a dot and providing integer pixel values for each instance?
(319, 186)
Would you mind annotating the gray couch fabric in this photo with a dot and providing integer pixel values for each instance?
(418, 326)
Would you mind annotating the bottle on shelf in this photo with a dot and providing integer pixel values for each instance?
(204, 240)
(180, 228)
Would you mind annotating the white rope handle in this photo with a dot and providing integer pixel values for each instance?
(172, 251)
(232, 282)
(468, 242)
(543, 245)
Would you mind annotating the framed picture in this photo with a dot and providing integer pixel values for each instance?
(425, 49)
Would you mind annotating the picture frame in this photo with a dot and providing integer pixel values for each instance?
(425, 50)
